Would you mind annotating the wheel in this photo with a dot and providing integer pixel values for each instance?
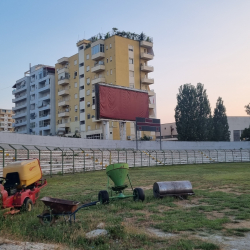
(103, 197)
(27, 205)
(139, 194)
(47, 219)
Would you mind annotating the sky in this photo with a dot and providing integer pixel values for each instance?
(194, 41)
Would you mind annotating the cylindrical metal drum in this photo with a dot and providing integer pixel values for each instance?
(172, 188)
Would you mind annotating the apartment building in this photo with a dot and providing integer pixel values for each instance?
(67, 95)
(118, 60)
(35, 101)
(6, 120)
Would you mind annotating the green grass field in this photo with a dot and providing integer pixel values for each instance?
(221, 205)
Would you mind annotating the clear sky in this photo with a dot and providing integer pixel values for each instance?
(194, 41)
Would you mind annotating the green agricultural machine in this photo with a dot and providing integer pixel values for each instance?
(118, 173)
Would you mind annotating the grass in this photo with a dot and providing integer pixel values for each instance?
(222, 197)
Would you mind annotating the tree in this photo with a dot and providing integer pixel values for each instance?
(247, 107)
(220, 123)
(193, 113)
(245, 136)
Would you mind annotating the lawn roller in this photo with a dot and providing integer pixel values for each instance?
(179, 189)
(118, 173)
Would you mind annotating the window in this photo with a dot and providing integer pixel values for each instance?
(81, 76)
(82, 122)
(75, 84)
(75, 96)
(93, 116)
(236, 134)
(106, 47)
(40, 75)
(88, 81)
(87, 57)
(88, 104)
(75, 62)
(82, 110)
(98, 48)
(130, 48)
(76, 107)
(82, 99)
(107, 60)
(88, 92)
(131, 73)
(82, 87)
(93, 88)
(76, 118)
(88, 116)
(75, 74)
(81, 64)
(111, 72)
(110, 45)
(93, 100)
(87, 68)
(131, 61)
(110, 59)
(80, 48)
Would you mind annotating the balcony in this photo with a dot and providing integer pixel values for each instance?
(20, 106)
(19, 115)
(151, 105)
(151, 93)
(98, 80)
(62, 70)
(44, 107)
(98, 56)
(63, 103)
(147, 68)
(19, 124)
(19, 98)
(147, 56)
(146, 44)
(63, 125)
(98, 68)
(44, 87)
(147, 81)
(63, 60)
(44, 117)
(44, 97)
(63, 114)
(63, 92)
(63, 81)
(19, 89)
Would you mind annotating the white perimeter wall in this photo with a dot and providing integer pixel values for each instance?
(62, 142)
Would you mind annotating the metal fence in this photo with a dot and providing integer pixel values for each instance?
(72, 160)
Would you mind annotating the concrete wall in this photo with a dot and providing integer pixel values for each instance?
(52, 141)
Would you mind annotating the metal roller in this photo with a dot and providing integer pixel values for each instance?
(172, 188)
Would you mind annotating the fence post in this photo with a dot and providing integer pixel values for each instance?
(102, 156)
(225, 156)
(149, 157)
(172, 157)
(141, 157)
(134, 157)
(73, 160)
(118, 155)
(232, 155)
(179, 156)
(127, 156)
(83, 151)
(28, 152)
(194, 156)
(15, 151)
(202, 157)
(240, 155)
(3, 155)
(187, 155)
(217, 155)
(39, 154)
(109, 156)
(93, 157)
(50, 152)
(62, 159)
(163, 157)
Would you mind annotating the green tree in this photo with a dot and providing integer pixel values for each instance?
(247, 107)
(220, 123)
(245, 136)
(193, 113)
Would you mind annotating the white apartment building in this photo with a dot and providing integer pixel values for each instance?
(35, 101)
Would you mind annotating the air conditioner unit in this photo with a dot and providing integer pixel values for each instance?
(75, 110)
(128, 137)
(150, 137)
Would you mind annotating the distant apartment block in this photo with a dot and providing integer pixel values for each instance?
(34, 98)
(6, 120)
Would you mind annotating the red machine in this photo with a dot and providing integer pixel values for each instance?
(20, 187)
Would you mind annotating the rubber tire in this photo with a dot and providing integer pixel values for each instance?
(103, 197)
(27, 205)
(138, 194)
(47, 222)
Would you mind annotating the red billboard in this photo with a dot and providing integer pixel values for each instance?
(118, 103)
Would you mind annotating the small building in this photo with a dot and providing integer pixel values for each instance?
(6, 120)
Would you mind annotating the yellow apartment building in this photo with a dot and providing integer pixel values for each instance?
(6, 120)
(67, 96)
(116, 58)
